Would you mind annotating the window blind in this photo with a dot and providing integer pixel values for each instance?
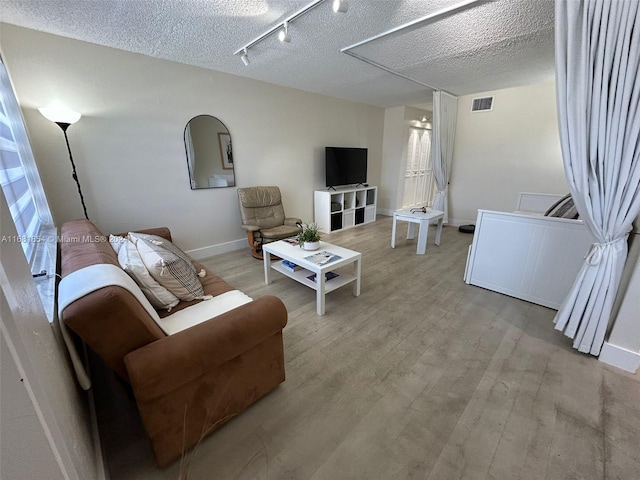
(19, 177)
(16, 188)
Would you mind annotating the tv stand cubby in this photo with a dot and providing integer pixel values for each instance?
(344, 208)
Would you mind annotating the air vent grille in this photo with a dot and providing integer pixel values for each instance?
(484, 104)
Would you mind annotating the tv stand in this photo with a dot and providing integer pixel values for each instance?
(357, 185)
(344, 208)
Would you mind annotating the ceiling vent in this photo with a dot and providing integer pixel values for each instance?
(484, 104)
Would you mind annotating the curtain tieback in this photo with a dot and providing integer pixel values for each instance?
(597, 249)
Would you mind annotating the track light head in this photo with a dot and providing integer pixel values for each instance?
(283, 34)
(283, 29)
(245, 58)
(340, 6)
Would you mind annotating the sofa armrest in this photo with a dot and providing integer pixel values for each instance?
(173, 361)
(250, 228)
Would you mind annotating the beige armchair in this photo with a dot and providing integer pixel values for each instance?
(263, 217)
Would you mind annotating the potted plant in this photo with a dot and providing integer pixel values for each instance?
(309, 237)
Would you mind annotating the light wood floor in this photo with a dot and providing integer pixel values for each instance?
(420, 377)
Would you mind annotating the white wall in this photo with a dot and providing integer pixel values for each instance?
(45, 430)
(622, 347)
(513, 148)
(393, 152)
(129, 149)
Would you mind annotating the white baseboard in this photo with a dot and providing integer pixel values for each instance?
(385, 211)
(211, 250)
(619, 357)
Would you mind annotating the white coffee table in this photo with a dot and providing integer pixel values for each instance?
(297, 255)
(422, 219)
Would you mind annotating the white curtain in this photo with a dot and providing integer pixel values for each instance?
(445, 110)
(598, 93)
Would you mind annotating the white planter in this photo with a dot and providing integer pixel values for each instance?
(311, 245)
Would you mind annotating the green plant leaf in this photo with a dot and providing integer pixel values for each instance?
(310, 233)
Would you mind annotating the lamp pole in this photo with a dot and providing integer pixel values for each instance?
(74, 174)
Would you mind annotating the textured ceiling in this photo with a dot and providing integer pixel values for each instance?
(487, 46)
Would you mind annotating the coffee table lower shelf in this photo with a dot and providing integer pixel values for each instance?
(301, 275)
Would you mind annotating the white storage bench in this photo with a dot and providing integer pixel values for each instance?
(527, 256)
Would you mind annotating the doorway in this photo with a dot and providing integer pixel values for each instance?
(418, 178)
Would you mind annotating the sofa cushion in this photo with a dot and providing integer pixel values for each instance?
(169, 269)
(131, 262)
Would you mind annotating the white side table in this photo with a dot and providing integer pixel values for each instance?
(422, 219)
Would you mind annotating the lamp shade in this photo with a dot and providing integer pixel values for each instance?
(58, 113)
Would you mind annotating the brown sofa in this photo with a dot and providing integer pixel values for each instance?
(187, 384)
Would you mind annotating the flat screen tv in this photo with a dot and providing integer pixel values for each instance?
(345, 166)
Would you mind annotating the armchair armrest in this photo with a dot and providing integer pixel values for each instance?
(176, 360)
(292, 221)
(250, 228)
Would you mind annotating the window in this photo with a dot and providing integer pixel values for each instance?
(25, 196)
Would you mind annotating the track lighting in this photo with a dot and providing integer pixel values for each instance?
(283, 35)
(282, 29)
(245, 58)
(340, 6)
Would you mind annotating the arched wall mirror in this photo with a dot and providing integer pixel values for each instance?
(209, 153)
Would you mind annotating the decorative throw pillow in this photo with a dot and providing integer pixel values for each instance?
(116, 242)
(131, 262)
(563, 208)
(158, 240)
(170, 270)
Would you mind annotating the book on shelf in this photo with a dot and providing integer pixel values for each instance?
(292, 267)
(327, 276)
(322, 258)
(291, 240)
